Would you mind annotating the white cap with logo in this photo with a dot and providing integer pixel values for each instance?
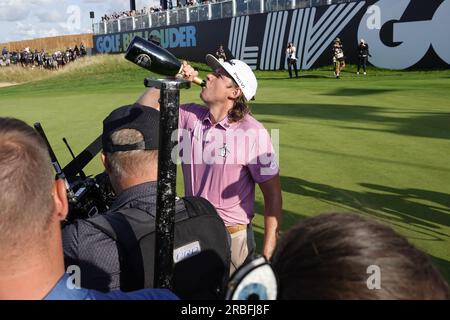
(239, 71)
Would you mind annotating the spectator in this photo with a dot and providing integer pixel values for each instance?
(83, 49)
(291, 59)
(76, 51)
(338, 57)
(220, 54)
(40, 59)
(363, 54)
(227, 178)
(346, 256)
(31, 260)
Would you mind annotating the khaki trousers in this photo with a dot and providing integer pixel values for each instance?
(242, 247)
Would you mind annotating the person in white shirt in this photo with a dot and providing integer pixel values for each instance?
(291, 59)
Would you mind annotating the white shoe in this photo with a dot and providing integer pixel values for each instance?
(357, 72)
(365, 73)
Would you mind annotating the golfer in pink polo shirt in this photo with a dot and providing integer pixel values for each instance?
(225, 152)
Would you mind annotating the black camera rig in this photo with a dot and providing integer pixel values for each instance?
(87, 195)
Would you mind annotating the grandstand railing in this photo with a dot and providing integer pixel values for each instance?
(203, 12)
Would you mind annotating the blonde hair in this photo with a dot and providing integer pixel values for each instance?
(124, 164)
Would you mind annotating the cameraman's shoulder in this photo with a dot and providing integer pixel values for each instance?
(70, 240)
(77, 230)
(70, 229)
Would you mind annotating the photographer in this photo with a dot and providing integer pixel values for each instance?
(338, 57)
(220, 54)
(109, 248)
(291, 59)
(32, 206)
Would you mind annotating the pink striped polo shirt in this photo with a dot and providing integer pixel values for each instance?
(222, 162)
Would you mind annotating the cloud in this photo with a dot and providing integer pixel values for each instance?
(19, 10)
(13, 10)
(50, 16)
(41, 2)
(30, 31)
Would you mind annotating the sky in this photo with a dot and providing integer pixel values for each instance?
(30, 19)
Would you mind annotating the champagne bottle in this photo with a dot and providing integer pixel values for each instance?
(155, 58)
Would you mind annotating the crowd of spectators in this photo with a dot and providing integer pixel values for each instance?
(42, 59)
(177, 4)
(146, 10)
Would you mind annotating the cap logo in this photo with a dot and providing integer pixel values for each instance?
(239, 81)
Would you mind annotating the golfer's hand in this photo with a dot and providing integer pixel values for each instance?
(188, 72)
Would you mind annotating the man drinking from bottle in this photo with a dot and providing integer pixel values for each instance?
(225, 152)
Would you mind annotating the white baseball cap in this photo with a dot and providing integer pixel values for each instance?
(239, 71)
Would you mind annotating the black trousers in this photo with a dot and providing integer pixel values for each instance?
(362, 61)
(292, 64)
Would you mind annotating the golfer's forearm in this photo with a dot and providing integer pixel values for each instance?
(271, 190)
(150, 98)
(271, 225)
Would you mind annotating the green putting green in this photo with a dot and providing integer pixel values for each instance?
(377, 144)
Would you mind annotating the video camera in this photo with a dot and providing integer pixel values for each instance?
(86, 195)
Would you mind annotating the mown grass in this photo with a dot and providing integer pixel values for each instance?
(376, 144)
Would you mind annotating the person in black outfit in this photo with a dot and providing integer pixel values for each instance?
(220, 54)
(83, 51)
(363, 53)
(130, 157)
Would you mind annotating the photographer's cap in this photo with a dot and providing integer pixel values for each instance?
(239, 71)
(137, 117)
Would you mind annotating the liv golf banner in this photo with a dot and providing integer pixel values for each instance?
(401, 34)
